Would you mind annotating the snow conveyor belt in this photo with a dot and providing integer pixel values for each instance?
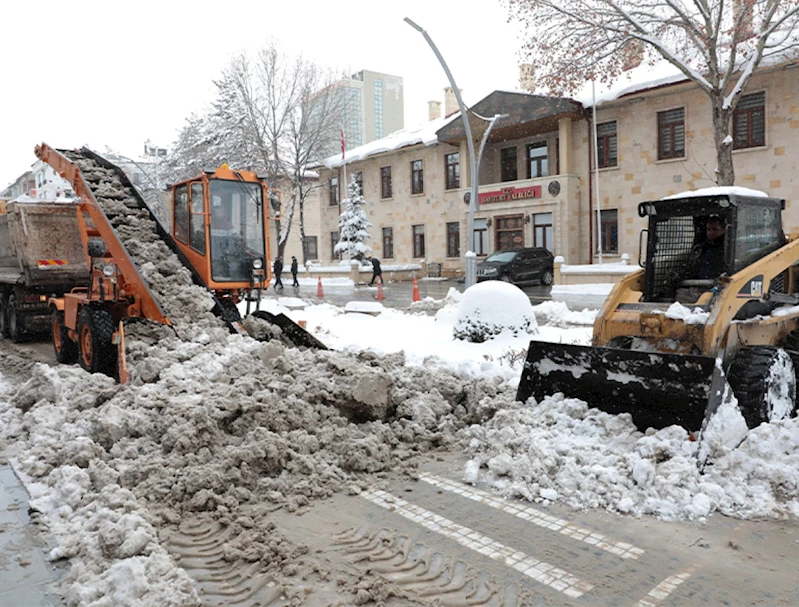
(137, 229)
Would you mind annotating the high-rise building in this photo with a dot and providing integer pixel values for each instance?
(374, 107)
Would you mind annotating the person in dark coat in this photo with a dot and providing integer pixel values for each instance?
(277, 269)
(707, 258)
(294, 271)
(376, 271)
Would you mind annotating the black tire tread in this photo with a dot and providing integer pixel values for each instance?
(103, 351)
(68, 354)
(4, 332)
(747, 375)
(15, 331)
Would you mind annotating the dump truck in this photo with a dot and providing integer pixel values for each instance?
(665, 341)
(88, 309)
(41, 254)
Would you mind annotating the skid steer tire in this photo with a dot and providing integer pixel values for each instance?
(4, 315)
(95, 332)
(763, 380)
(66, 350)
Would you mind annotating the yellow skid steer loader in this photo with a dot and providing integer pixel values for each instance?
(651, 358)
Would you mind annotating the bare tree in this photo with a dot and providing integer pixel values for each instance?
(273, 114)
(717, 44)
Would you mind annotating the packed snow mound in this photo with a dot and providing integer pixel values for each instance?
(562, 450)
(493, 307)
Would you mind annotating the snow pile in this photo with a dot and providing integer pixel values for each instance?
(562, 450)
(677, 311)
(491, 308)
(231, 428)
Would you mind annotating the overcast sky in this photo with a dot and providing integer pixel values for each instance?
(115, 74)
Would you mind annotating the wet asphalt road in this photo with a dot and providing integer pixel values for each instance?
(398, 295)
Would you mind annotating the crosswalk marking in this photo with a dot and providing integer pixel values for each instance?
(540, 571)
(663, 590)
(535, 516)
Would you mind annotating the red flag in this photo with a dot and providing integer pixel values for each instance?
(343, 147)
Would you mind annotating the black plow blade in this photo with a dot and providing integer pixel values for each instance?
(294, 332)
(657, 389)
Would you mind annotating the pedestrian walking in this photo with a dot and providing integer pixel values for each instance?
(294, 271)
(277, 269)
(376, 271)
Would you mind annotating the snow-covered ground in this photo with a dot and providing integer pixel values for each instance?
(232, 427)
(561, 449)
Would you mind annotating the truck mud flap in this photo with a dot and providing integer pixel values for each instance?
(656, 389)
(294, 332)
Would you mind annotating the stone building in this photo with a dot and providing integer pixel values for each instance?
(537, 182)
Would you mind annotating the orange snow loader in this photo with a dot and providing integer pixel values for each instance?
(229, 260)
(667, 364)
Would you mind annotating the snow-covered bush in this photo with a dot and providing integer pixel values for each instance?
(489, 308)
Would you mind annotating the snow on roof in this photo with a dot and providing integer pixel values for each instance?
(643, 77)
(719, 191)
(649, 76)
(424, 133)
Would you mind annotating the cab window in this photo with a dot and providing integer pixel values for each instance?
(182, 213)
(197, 219)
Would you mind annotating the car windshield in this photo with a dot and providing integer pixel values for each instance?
(502, 256)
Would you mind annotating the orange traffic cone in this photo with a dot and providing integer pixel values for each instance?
(380, 296)
(319, 292)
(415, 290)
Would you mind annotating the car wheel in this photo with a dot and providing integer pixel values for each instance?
(505, 278)
(546, 278)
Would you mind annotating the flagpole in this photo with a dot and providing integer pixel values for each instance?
(344, 168)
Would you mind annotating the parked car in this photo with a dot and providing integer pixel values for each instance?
(518, 266)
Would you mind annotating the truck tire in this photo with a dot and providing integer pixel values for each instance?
(66, 350)
(15, 331)
(95, 332)
(763, 380)
(4, 315)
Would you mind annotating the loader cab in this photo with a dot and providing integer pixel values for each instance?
(678, 237)
(220, 224)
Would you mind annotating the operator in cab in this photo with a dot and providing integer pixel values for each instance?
(707, 258)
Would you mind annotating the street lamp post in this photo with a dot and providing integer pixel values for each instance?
(471, 259)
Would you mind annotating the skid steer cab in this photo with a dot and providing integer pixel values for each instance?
(220, 224)
(716, 297)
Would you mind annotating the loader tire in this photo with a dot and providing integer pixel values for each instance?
(95, 333)
(66, 350)
(15, 331)
(4, 315)
(763, 380)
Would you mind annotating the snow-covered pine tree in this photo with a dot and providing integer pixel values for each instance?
(353, 225)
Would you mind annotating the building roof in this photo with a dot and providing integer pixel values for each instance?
(424, 133)
(528, 115)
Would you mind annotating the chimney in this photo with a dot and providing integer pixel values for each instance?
(450, 101)
(527, 77)
(433, 110)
